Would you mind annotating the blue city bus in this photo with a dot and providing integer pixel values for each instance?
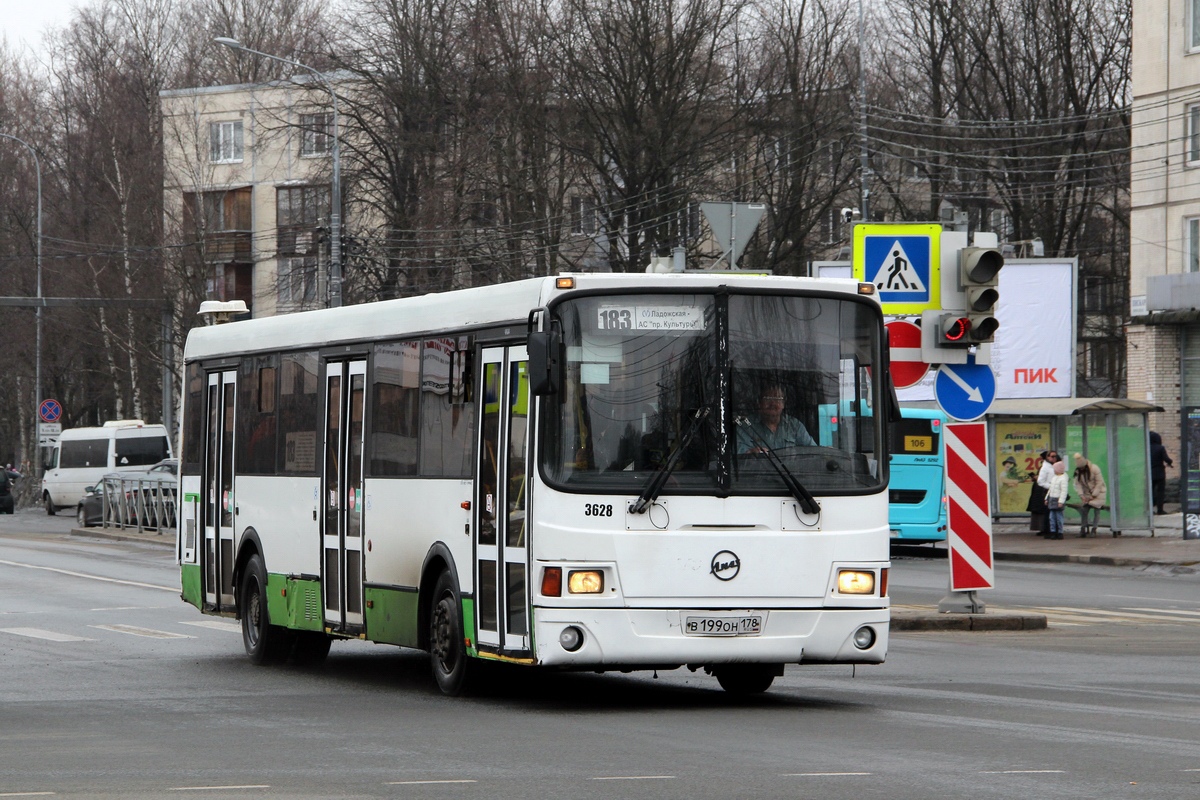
(917, 483)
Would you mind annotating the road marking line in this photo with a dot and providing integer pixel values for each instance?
(219, 788)
(216, 624)
(820, 774)
(131, 608)
(418, 783)
(149, 633)
(1025, 772)
(635, 778)
(91, 577)
(1180, 612)
(26, 794)
(38, 633)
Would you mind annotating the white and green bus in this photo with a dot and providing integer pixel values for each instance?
(550, 472)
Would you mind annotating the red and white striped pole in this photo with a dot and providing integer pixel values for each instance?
(970, 536)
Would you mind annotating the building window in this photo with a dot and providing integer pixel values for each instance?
(225, 142)
(1191, 245)
(1096, 294)
(316, 134)
(1194, 25)
(300, 212)
(583, 215)
(1191, 139)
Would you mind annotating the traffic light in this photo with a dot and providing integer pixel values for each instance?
(954, 328)
(979, 276)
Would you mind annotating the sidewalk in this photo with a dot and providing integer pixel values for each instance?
(164, 539)
(1013, 541)
(1164, 546)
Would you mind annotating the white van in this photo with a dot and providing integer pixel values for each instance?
(84, 455)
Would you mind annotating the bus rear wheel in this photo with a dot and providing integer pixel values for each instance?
(744, 679)
(447, 650)
(265, 643)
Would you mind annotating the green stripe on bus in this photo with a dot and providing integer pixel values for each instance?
(191, 497)
(468, 610)
(294, 602)
(189, 580)
(391, 615)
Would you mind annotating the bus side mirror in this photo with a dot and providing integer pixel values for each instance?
(545, 362)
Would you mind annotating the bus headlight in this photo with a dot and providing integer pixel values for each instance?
(585, 581)
(855, 581)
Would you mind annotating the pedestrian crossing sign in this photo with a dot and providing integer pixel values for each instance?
(903, 261)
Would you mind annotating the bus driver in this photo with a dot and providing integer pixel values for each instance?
(773, 428)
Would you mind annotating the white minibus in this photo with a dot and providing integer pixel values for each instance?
(83, 456)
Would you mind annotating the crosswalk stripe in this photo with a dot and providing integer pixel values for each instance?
(215, 624)
(39, 633)
(149, 633)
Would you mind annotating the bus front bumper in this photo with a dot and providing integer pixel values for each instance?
(657, 637)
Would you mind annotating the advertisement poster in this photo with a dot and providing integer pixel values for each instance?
(1189, 488)
(1034, 352)
(1017, 460)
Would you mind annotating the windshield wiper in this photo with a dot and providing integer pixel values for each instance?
(659, 479)
(808, 503)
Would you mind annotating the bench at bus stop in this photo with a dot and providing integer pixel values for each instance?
(1035, 521)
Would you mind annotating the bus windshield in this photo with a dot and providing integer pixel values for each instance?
(726, 383)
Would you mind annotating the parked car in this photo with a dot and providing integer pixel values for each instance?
(158, 485)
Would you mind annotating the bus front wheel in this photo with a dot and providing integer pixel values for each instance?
(746, 679)
(447, 650)
(265, 643)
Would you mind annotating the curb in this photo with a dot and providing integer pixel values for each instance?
(968, 622)
(158, 540)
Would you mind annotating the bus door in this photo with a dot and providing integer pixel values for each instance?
(342, 493)
(501, 494)
(218, 498)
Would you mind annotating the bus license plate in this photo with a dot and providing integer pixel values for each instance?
(723, 626)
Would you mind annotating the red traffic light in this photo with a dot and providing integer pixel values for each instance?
(955, 329)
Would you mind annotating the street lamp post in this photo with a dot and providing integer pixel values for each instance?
(335, 189)
(37, 375)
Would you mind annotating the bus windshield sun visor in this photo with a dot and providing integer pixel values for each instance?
(659, 478)
(808, 503)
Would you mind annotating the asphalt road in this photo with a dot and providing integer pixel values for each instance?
(112, 687)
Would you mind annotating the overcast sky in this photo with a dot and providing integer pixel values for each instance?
(23, 21)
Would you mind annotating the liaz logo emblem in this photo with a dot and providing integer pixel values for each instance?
(725, 565)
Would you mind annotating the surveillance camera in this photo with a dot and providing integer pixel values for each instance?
(847, 214)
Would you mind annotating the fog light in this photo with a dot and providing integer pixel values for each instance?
(589, 581)
(864, 638)
(855, 581)
(571, 639)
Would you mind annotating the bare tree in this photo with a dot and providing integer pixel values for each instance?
(646, 85)
(802, 128)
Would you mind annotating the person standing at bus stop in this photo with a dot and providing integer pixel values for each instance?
(1056, 499)
(1041, 487)
(1159, 461)
(1089, 485)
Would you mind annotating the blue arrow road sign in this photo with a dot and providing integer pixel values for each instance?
(965, 391)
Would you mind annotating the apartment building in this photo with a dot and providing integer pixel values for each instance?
(1163, 337)
(247, 190)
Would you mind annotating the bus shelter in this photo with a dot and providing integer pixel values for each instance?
(1112, 433)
